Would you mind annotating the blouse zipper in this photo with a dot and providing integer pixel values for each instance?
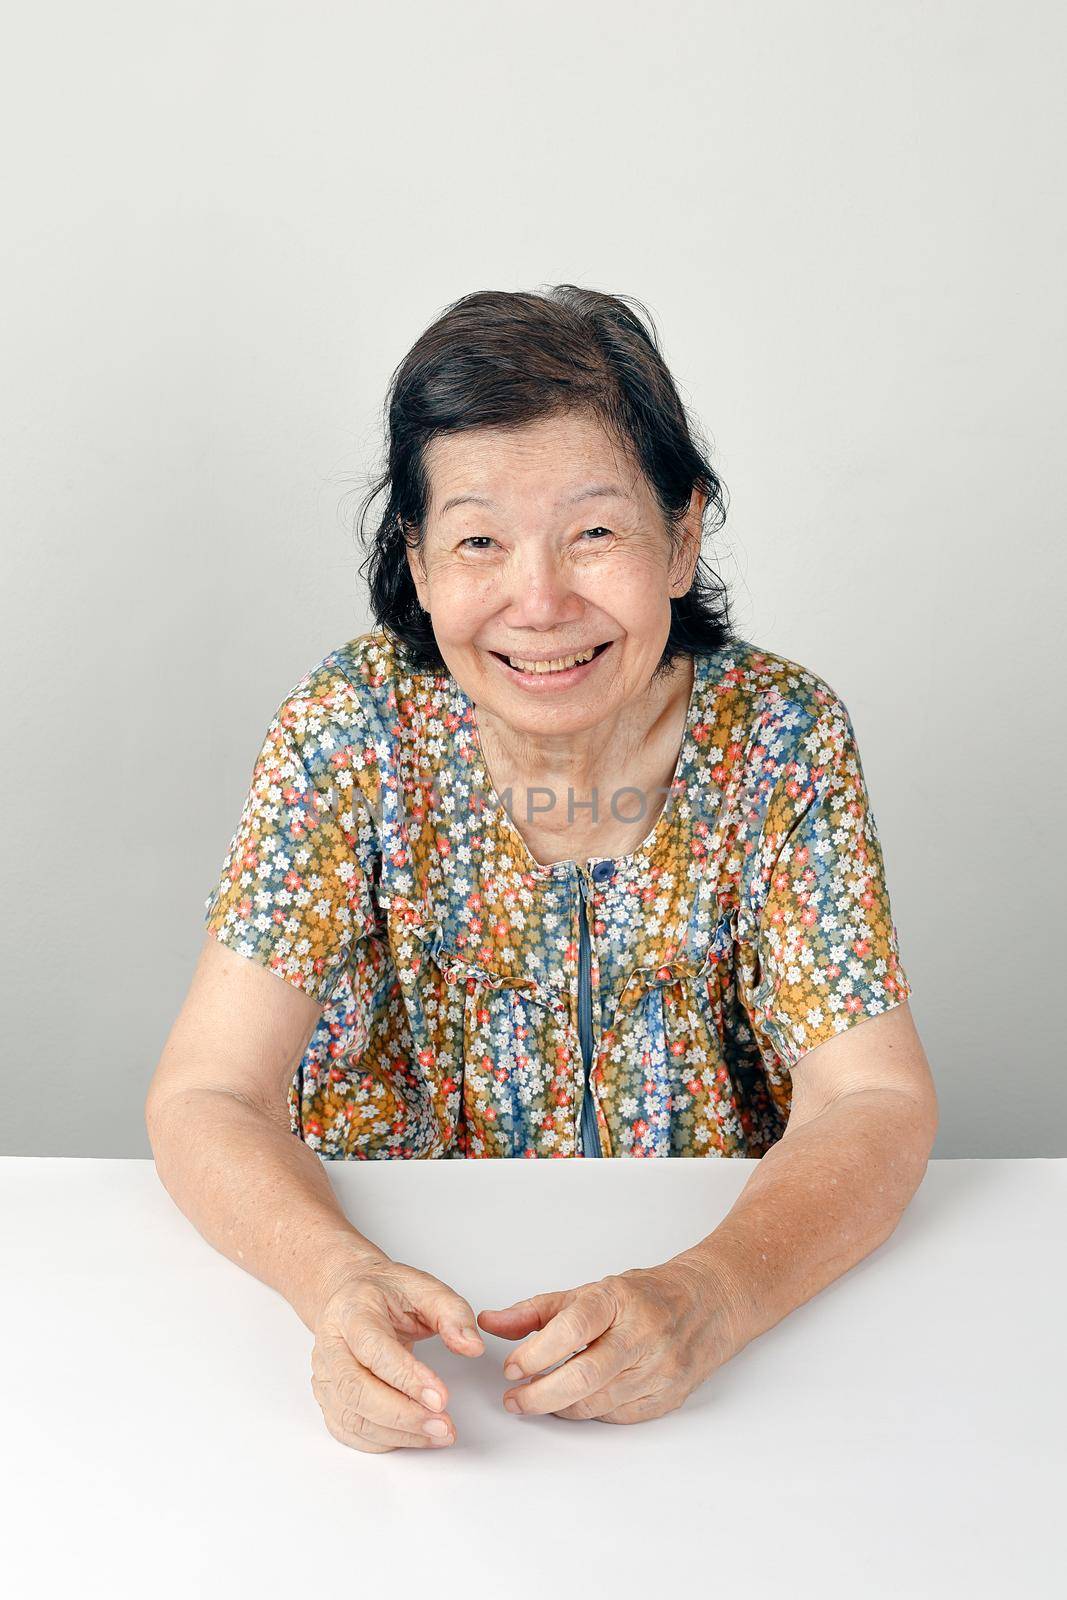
(590, 1133)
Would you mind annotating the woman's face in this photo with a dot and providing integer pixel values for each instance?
(557, 547)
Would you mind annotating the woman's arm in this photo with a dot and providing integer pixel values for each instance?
(218, 1125)
(861, 1128)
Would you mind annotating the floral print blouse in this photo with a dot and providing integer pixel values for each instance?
(476, 1003)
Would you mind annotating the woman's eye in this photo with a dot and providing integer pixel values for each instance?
(479, 541)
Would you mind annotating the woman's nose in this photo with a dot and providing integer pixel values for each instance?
(543, 595)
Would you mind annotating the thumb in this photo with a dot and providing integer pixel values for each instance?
(523, 1316)
(453, 1318)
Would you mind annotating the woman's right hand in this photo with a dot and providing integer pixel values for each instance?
(375, 1395)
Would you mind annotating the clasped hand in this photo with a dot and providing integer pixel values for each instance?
(626, 1348)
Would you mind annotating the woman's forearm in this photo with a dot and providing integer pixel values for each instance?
(828, 1193)
(256, 1193)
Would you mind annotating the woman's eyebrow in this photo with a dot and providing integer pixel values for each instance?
(593, 491)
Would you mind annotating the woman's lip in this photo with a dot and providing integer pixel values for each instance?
(561, 678)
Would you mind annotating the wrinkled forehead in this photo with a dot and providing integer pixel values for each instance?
(549, 466)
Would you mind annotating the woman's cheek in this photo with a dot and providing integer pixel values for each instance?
(464, 598)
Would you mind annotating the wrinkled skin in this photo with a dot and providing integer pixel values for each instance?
(631, 1347)
(364, 1375)
(650, 1335)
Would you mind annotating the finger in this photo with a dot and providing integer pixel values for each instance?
(369, 1335)
(360, 1432)
(583, 1375)
(644, 1409)
(438, 1307)
(454, 1319)
(627, 1386)
(585, 1314)
(353, 1389)
(517, 1320)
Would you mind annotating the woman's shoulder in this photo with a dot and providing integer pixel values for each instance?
(356, 685)
(356, 704)
(747, 684)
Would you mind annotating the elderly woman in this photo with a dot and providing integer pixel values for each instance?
(550, 863)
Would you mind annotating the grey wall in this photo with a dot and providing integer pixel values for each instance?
(225, 225)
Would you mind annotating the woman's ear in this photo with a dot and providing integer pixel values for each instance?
(686, 552)
(418, 575)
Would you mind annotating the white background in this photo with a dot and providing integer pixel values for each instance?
(224, 225)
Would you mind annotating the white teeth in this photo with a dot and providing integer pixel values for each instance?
(549, 666)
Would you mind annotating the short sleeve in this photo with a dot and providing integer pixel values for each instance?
(818, 948)
(295, 889)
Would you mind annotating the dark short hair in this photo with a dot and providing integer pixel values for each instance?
(495, 359)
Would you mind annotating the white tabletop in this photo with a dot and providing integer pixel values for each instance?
(902, 1434)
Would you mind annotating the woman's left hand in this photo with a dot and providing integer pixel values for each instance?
(651, 1336)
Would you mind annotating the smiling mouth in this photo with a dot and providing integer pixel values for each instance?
(555, 664)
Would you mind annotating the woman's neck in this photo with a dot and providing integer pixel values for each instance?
(600, 792)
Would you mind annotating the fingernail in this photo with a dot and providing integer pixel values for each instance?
(431, 1398)
(437, 1427)
(467, 1332)
(512, 1405)
(512, 1370)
